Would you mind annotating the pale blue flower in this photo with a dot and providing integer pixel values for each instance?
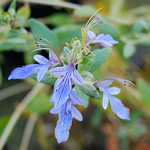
(103, 40)
(67, 77)
(39, 69)
(108, 96)
(66, 113)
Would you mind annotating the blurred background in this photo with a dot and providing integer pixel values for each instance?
(128, 21)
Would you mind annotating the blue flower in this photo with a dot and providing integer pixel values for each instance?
(66, 113)
(104, 40)
(39, 69)
(67, 77)
(108, 96)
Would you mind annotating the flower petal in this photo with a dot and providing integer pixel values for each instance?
(105, 40)
(106, 83)
(63, 126)
(77, 78)
(41, 72)
(55, 110)
(58, 71)
(114, 90)
(118, 108)
(65, 119)
(53, 58)
(105, 101)
(23, 72)
(76, 114)
(62, 90)
(41, 59)
(90, 36)
(75, 99)
(61, 134)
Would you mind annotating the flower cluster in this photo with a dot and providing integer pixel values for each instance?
(65, 97)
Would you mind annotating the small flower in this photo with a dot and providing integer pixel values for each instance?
(66, 113)
(123, 82)
(104, 40)
(67, 77)
(40, 69)
(108, 96)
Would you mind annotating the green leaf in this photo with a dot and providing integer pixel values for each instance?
(139, 26)
(83, 96)
(85, 11)
(41, 32)
(23, 14)
(107, 28)
(16, 40)
(67, 32)
(129, 50)
(48, 79)
(90, 90)
(59, 19)
(95, 59)
(40, 104)
(12, 8)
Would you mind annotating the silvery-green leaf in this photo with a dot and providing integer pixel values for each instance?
(129, 50)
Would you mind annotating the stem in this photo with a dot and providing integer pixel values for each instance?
(28, 132)
(54, 3)
(17, 113)
(13, 90)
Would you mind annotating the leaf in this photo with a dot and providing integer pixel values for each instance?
(12, 8)
(90, 90)
(85, 11)
(107, 28)
(67, 32)
(129, 50)
(41, 32)
(82, 95)
(15, 44)
(59, 19)
(139, 26)
(40, 104)
(95, 59)
(48, 79)
(16, 40)
(23, 14)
